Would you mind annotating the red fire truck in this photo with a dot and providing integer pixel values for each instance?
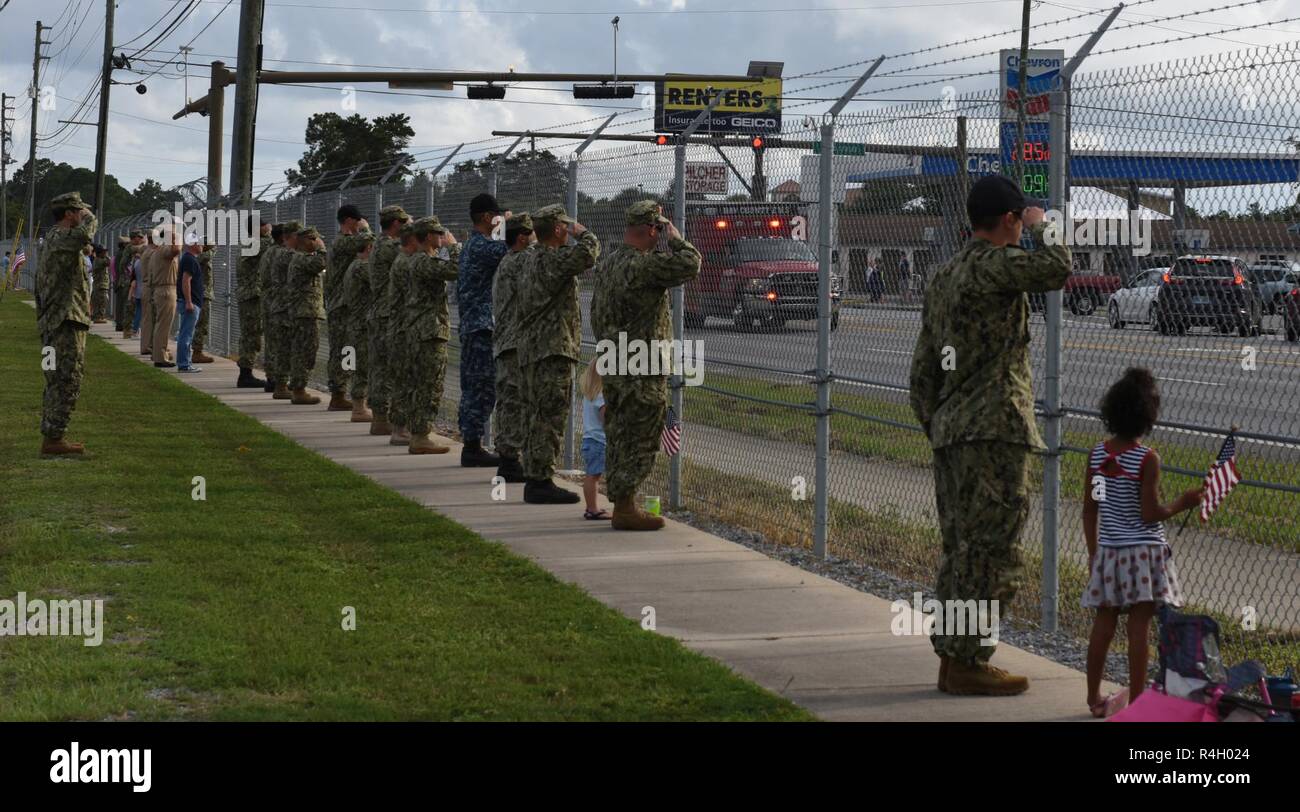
(758, 268)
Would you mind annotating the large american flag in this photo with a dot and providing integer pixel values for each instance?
(670, 439)
(1221, 478)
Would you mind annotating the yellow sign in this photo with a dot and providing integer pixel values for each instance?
(746, 107)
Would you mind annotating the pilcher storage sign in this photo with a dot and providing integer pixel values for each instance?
(747, 108)
(706, 178)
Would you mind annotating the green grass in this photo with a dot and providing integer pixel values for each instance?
(1270, 518)
(231, 608)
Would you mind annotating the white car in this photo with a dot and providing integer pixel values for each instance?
(1135, 302)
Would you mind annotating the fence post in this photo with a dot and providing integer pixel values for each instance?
(825, 263)
(1058, 198)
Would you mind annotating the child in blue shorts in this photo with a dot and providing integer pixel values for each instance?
(593, 440)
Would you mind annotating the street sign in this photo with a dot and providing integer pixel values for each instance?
(841, 148)
(748, 108)
(706, 178)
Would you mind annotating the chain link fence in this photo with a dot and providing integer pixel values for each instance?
(1200, 154)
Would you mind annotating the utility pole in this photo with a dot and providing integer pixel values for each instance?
(216, 123)
(5, 160)
(1022, 77)
(31, 159)
(105, 83)
(248, 65)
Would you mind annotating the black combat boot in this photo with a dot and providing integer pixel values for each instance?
(247, 380)
(546, 492)
(473, 455)
(269, 385)
(510, 470)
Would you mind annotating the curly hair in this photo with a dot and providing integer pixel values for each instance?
(1132, 404)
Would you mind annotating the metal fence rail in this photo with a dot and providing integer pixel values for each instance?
(805, 433)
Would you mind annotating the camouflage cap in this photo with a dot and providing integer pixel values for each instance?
(520, 222)
(308, 233)
(645, 213)
(135, 232)
(389, 213)
(547, 217)
(425, 226)
(407, 229)
(290, 228)
(68, 200)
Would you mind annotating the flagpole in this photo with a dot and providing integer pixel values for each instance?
(1231, 431)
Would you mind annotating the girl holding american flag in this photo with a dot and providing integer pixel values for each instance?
(1131, 566)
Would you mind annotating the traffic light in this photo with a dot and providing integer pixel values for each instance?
(661, 140)
(757, 143)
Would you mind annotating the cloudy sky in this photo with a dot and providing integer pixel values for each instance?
(655, 36)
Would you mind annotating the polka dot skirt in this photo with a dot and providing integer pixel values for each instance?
(1123, 576)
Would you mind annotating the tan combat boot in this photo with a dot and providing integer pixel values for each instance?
(60, 446)
(339, 403)
(967, 679)
(202, 357)
(400, 436)
(627, 516)
(360, 414)
(422, 444)
(379, 425)
(282, 391)
(301, 398)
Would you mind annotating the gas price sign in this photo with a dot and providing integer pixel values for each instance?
(1033, 154)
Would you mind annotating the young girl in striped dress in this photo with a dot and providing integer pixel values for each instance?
(1131, 565)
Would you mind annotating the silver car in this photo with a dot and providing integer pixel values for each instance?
(1273, 281)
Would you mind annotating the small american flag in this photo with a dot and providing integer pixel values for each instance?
(1221, 478)
(671, 437)
(20, 259)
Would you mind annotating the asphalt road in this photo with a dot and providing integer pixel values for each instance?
(1203, 379)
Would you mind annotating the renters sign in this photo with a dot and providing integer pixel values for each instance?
(747, 108)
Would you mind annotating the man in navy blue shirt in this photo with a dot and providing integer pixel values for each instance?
(478, 266)
(189, 301)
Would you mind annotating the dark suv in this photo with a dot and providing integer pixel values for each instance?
(1208, 291)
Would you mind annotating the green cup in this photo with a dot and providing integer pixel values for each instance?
(652, 505)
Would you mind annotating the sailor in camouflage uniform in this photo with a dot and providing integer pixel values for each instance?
(63, 317)
(306, 309)
(342, 252)
(266, 287)
(972, 391)
(401, 386)
(478, 265)
(248, 292)
(549, 343)
(630, 301)
(387, 247)
(429, 328)
(198, 356)
(510, 413)
(356, 296)
(99, 298)
(281, 324)
(128, 249)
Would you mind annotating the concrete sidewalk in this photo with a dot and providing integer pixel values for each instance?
(823, 645)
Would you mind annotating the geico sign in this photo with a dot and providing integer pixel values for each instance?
(749, 122)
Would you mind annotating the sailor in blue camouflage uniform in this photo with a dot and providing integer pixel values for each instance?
(478, 266)
(972, 392)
